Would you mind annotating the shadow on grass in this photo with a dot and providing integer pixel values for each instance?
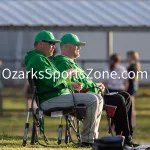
(16, 141)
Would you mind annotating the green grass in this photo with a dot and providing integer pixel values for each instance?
(12, 124)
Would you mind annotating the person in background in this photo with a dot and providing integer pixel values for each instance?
(133, 68)
(27, 91)
(119, 82)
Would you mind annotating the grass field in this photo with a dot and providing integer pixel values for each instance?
(12, 123)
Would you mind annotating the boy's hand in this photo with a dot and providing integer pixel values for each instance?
(101, 86)
(77, 86)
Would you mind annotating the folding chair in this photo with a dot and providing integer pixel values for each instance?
(78, 111)
(110, 111)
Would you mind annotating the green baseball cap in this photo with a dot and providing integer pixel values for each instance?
(70, 38)
(44, 35)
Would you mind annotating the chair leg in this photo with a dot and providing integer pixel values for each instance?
(110, 128)
(75, 125)
(78, 131)
(33, 136)
(67, 131)
(24, 143)
(70, 128)
(60, 132)
(70, 139)
(41, 121)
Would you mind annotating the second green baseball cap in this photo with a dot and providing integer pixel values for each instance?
(44, 35)
(70, 38)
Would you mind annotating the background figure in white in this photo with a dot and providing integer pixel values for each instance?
(133, 68)
(118, 79)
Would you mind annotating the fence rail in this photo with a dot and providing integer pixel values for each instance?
(80, 60)
(13, 96)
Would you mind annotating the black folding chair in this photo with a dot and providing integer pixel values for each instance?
(78, 111)
(110, 111)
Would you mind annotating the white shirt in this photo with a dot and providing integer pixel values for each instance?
(116, 81)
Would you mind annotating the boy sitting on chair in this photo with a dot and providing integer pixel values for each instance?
(70, 50)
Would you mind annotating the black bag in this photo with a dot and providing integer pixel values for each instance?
(109, 143)
(81, 111)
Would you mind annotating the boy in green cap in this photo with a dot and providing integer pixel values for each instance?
(48, 77)
(70, 50)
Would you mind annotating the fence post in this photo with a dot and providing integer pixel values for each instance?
(109, 44)
(1, 104)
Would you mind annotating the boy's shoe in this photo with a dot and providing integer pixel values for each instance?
(129, 143)
(85, 144)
